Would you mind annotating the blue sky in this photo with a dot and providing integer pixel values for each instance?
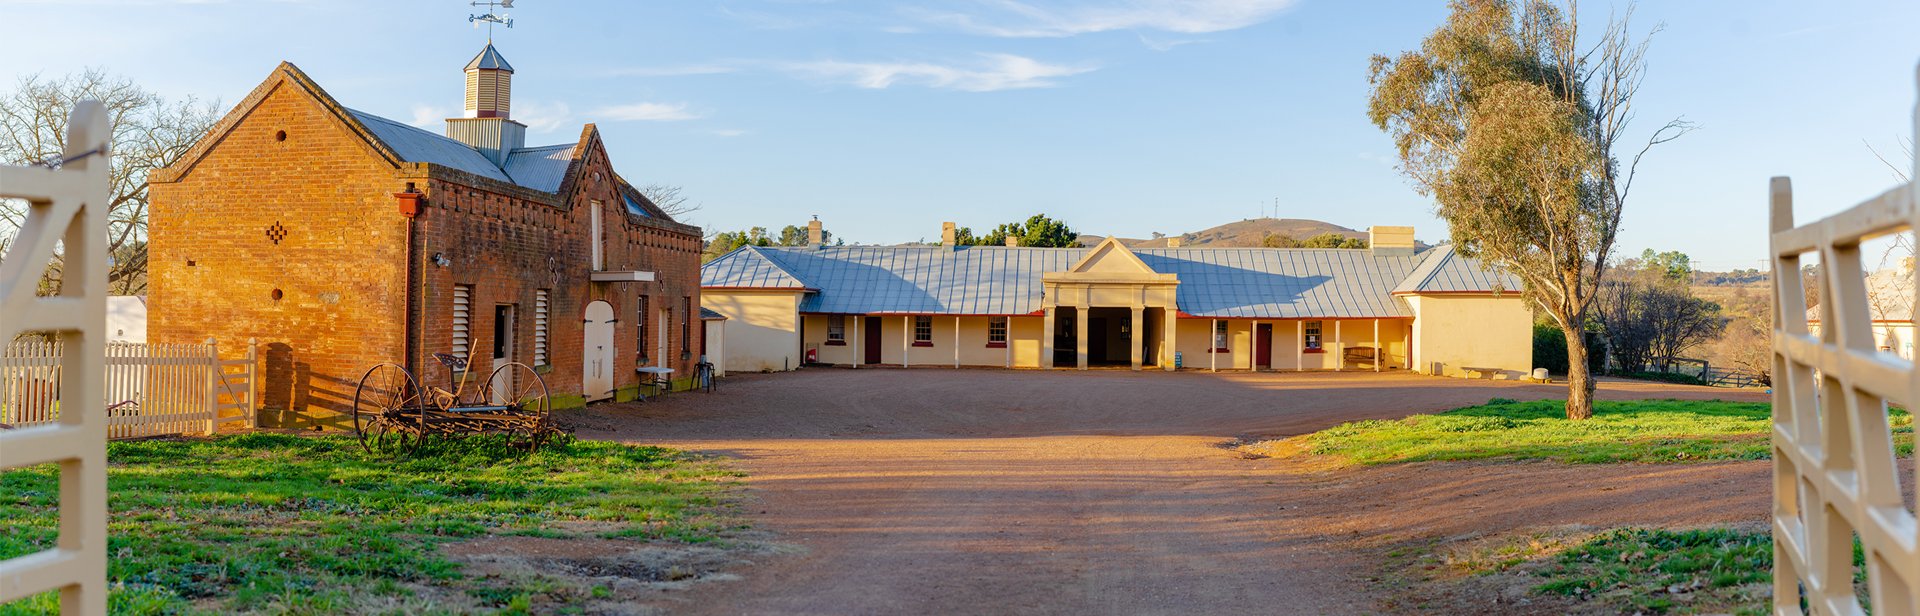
(1122, 117)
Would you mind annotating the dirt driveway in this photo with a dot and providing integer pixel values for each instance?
(973, 491)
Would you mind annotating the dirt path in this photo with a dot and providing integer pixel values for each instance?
(944, 491)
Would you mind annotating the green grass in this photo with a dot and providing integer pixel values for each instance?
(280, 523)
(1628, 431)
(1714, 570)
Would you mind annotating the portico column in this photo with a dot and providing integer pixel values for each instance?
(1080, 336)
(1168, 339)
(1046, 338)
(1139, 339)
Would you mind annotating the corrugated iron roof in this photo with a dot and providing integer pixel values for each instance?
(1445, 271)
(419, 146)
(747, 267)
(490, 58)
(541, 168)
(707, 314)
(1270, 283)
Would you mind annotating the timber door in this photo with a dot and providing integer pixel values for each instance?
(870, 338)
(596, 367)
(1263, 346)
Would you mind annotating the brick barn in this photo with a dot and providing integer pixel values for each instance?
(340, 239)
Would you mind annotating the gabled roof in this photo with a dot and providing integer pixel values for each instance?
(489, 58)
(541, 168)
(419, 146)
(1445, 271)
(748, 268)
(1266, 283)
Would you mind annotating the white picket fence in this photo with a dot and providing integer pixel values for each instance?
(152, 389)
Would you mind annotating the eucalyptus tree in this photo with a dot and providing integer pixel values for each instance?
(1515, 127)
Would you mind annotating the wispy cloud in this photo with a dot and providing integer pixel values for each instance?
(543, 116)
(430, 116)
(993, 72)
(674, 71)
(647, 112)
(1159, 44)
(1013, 18)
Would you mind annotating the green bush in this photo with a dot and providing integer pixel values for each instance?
(1549, 348)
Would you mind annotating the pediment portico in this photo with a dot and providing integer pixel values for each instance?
(1110, 297)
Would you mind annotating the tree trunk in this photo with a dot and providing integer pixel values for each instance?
(1579, 381)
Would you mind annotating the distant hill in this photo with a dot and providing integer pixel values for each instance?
(1242, 234)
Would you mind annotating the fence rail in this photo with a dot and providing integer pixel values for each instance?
(152, 389)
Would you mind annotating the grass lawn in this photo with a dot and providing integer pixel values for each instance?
(279, 523)
(1620, 431)
(1628, 570)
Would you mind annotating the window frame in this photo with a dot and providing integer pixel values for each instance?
(836, 330)
(1222, 336)
(641, 337)
(1313, 336)
(686, 326)
(918, 321)
(997, 326)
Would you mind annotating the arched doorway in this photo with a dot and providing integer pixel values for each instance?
(596, 368)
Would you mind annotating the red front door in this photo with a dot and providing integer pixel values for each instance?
(1263, 346)
(870, 336)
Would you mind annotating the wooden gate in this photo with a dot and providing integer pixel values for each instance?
(1835, 477)
(150, 389)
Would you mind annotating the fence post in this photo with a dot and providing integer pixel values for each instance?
(213, 370)
(253, 382)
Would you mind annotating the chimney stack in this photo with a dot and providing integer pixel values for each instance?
(1390, 241)
(1013, 241)
(1173, 242)
(946, 234)
(814, 236)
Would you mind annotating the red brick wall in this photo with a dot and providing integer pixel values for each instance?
(214, 269)
(342, 267)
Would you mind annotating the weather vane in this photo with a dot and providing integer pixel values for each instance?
(491, 18)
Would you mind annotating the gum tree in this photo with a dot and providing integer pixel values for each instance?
(1514, 127)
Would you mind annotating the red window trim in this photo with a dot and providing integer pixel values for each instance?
(996, 345)
(1220, 350)
(1313, 350)
(922, 344)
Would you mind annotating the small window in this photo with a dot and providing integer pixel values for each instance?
(837, 329)
(462, 319)
(1220, 336)
(1313, 335)
(686, 326)
(923, 330)
(542, 303)
(641, 335)
(997, 331)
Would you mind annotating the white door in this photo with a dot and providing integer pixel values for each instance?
(502, 354)
(596, 369)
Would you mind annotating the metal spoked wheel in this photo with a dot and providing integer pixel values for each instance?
(518, 387)
(388, 414)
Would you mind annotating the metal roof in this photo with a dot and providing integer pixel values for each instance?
(1446, 271)
(1271, 283)
(490, 58)
(747, 267)
(707, 314)
(541, 168)
(419, 146)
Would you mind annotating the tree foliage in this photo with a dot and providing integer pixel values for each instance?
(1038, 231)
(149, 133)
(1649, 315)
(1512, 127)
(791, 235)
(1324, 240)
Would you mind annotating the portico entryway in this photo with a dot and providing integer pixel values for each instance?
(1110, 309)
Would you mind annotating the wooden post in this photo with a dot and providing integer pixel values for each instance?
(253, 381)
(1339, 361)
(1300, 346)
(1213, 345)
(956, 342)
(210, 366)
(859, 341)
(1379, 350)
(906, 341)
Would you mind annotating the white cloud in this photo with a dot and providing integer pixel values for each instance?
(1013, 18)
(431, 116)
(673, 71)
(647, 112)
(542, 116)
(993, 72)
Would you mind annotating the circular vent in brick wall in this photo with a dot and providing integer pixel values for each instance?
(280, 135)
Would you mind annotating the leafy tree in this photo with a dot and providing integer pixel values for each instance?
(1039, 231)
(1276, 240)
(149, 133)
(1512, 128)
(1333, 240)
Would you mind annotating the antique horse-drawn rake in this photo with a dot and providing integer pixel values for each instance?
(392, 413)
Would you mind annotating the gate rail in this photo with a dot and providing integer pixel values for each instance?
(1835, 476)
(152, 389)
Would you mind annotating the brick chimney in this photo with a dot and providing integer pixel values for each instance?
(1013, 241)
(947, 234)
(814, 236)
(1390, 241)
